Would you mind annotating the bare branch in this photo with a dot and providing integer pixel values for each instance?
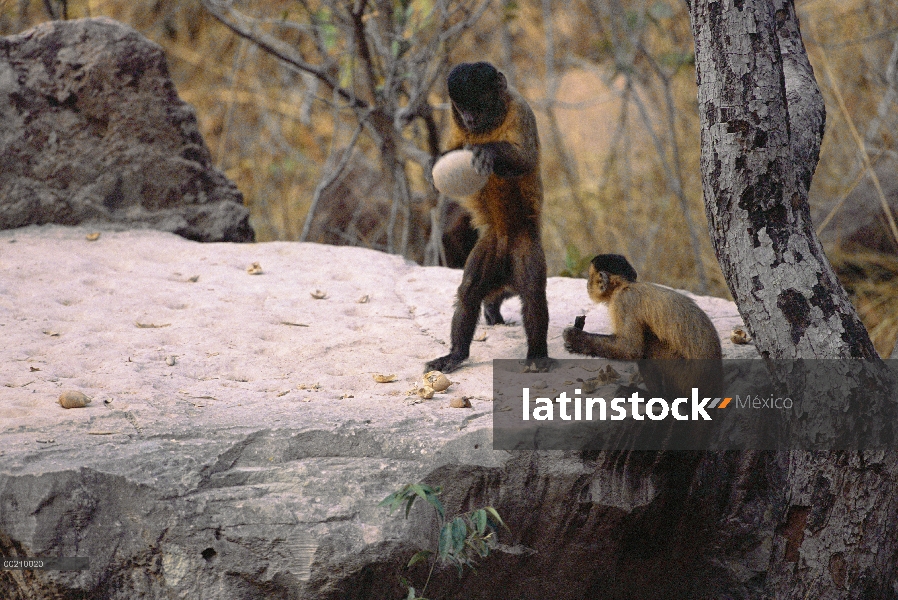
(328, 180)
(247, 27)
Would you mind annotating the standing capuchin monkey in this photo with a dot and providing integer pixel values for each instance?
(496, 124)
(650, 322)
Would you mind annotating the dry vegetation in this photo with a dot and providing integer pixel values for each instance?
(612, 83)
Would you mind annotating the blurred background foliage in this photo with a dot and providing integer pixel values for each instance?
(612, 83)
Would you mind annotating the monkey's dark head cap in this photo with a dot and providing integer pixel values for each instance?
(614, 264)
(471, 76)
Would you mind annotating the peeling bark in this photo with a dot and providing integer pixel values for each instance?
(762, 119)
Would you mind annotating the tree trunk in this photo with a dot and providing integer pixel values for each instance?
(762, 121)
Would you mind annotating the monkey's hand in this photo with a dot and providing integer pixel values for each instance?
(484, 158)
(580, 322)
(575, 339)
(502, 159)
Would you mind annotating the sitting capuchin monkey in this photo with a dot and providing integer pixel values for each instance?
(674, 340)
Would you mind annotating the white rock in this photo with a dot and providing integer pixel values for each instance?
(454, 174)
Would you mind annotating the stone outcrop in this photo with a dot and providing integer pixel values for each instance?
(237, 445)
(92, 130)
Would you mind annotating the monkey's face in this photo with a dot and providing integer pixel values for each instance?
(478, 94)
(602, 285)
(599, 285)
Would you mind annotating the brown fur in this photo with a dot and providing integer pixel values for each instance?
(496, 123)
(506, 205)
(652, 322)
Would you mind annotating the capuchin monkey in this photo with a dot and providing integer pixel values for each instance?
(654, 325)
(496, 124)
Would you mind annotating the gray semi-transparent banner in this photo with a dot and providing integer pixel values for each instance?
(49, 563)
(591, 404)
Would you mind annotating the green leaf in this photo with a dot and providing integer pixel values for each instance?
(479, 546)
(459, 533)
(480, 521)
(419, 556)
(435, 502)
(419, 491)
(430, 495)
(392, 501)
(498, 520)
(445, 543)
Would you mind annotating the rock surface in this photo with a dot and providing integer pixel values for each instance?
(237, 445)
(92, 130)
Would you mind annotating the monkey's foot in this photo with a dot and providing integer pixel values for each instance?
(444, 364)
(539, 365)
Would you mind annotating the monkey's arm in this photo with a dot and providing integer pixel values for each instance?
(515, 149)
(502, 158)
(625, 346)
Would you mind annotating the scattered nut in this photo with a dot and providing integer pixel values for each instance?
(171, 360)
(363, 300)
(73, 399)
(591, 385)
(319, 295)
(384, 378)
(740, 336)
(254, 269)
(93, 237)
(480, 338)
(608, 374)
(425, 392)
(437, 381)
(460, 402)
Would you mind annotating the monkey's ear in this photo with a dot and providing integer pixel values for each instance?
(501, 82)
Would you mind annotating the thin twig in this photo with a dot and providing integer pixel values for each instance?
(247, 27)
(328, 180)
(232, 102)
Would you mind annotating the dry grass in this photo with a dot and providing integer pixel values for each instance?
(872, 281)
